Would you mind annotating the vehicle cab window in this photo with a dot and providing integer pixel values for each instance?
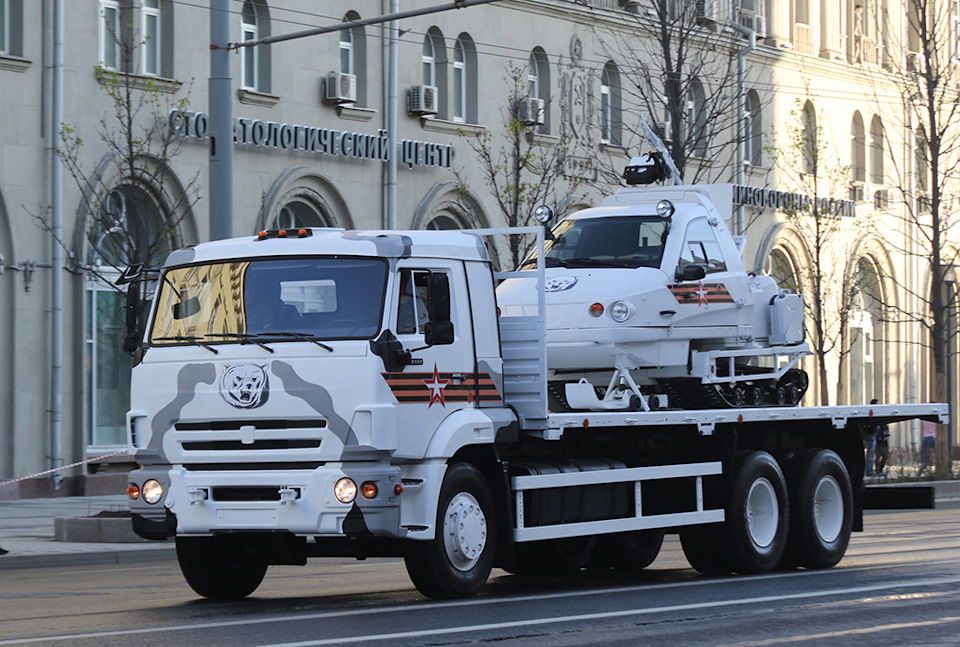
(412, 314)
(701, 247)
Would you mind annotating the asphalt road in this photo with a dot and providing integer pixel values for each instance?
(898, 585)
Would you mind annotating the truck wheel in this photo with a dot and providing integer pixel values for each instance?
(220, 567)
(706, 547)
(634, 551)
(757, 513)
(457, 561)
(821, 501)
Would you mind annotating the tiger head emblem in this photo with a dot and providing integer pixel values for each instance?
(244, 386)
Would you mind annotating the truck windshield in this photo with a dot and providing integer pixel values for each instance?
(286, 299)
(620, 241)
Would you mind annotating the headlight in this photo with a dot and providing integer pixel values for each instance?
(345, 490)
(620, 311)
(152, 491)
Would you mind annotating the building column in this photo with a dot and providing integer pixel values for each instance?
(830, 31)
(778, 23)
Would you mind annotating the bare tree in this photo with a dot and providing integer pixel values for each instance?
(806, 161)
(525, 171)
(922, 67)
(118, 226)
(679, 68)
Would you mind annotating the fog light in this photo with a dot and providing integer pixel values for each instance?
(133, 491)
(368, 490)
(152, 491)
(345, 490)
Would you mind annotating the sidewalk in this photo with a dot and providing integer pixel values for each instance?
(27, 533)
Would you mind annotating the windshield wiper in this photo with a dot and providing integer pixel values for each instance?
(549, 261)
(300, 336)
(243, 337)
(189, 340)
(592, 262)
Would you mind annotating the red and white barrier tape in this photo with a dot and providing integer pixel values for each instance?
(58, 469)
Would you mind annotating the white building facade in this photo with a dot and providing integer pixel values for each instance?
(311, 133)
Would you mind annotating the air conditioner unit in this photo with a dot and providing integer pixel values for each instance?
(881, 199)
(710, 11)
(422, 100)
(340, 88)
(858, 192)
(754, 22)
(531, 112)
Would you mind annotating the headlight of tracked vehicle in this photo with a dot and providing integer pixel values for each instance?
(152, 491)
(620, 311)
(345, 490)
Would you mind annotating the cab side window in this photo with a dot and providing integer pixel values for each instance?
(700, 247)
(412, 314)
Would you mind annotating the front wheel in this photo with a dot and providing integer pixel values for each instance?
(822, 508)
(221, 567)
(757, 513)
(457, 561)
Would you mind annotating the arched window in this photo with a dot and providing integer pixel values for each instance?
(696, 119)
(538, 84)
(434, 66)
(811, 147)
(443, 222)
(858, 150)
(752, 130)
(353, 56)
(465, 80)
(865, 356)
(127, 228)
(300, 213)
(876, 151)
(610, 105)
(255, 61)
(781, 266)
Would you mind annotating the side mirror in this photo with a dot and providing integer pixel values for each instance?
(692, 273)
(439, 329)
(131, 340)
(186, 308)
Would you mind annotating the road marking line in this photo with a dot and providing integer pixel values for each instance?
(838, 634)
(474, 628)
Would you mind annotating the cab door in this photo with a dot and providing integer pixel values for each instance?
(431, 320)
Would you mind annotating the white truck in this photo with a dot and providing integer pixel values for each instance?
(323, 392)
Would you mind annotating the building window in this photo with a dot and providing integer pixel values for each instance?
(353, 56)
(459, 82)
(150, 32)
(809, 143)
(249, 58)
(877, 175)
(346, 51)
(865, 352)
(465, 60)
(538, 84)
(298, 213)
(955, 29)
(110, 35)
(429, 61)
(4, 27)
(696, 120)
(128, 228)
(752, 130)
(610, 104)
(858, 150)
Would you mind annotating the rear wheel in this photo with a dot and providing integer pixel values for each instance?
(220, 567)
(821, 508)
(756, 514)
(457, 561)
(634, 551)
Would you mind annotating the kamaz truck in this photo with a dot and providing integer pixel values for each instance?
(318, 392)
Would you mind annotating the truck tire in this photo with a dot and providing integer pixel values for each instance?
(220, 567)
(457, 561)
(707, 548)
(634, 551)
(757, 513)
(821, 503)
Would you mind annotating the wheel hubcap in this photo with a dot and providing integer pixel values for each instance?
(464, 531)
(762, 513)
(828, 509)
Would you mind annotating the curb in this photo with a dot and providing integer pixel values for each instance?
(88, 558)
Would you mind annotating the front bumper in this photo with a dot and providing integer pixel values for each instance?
(301, 502)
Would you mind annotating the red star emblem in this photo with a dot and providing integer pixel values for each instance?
(436, 388)
(702, 293)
